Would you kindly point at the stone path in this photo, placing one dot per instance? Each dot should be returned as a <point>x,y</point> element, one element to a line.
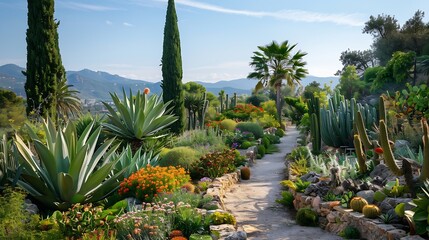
<point>253,201</point>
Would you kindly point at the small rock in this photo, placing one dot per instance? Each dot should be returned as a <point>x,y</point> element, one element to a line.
<point>385,206</point>
<point>382,171</point>
<point>240,235</point>
<point>368,195</point>
<point>30,207</point>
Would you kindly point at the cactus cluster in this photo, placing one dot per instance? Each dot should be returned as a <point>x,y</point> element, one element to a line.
<point>197,107</point>
<point>314,111</point>
<point>337,120</point>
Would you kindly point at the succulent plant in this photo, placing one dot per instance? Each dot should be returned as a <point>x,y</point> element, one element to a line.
<point>245,173</point>
<point>65,169</point>
<point>357,204</point>
<point>307,217</point>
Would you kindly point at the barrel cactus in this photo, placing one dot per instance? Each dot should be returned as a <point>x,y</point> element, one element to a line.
<point>371,211</point>
<point>357,203</point>
<point>245,173</point>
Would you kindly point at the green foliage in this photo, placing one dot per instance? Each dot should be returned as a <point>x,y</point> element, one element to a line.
<point>299,153</point>
<point>400,65</point>
<point>274,139</point>
<point>200,237</point>
<point>67,102</point>
<point>228,124</point>
<point>267,121</point>
<point>215,164</point>
<point>272,149</point>
<point>350,232</point>
<point>251,127</point>
<point>350,84</point>
<point>371,73</point>
<point>270,107</point>
<point>190,220</point>
<point>387,218</point>
<point>81,219</point>
<point>243,112</point>
<point>413,100</point>
<point>286,199</point>
<point>133,161</point>
<point>194,200</point>
<point>172,74</point>
<point>330,196</point>
<point>299,106</point>
<point>245,145</point>
<point>17,223</point>
<point>265,141</point>
<point>67,169</point>
<point>138,118</point>
<point>83,121</point>
<point>261,150</point>
<point>298,167</point>
<point>203,141</point>
<point>379,196</point>
<point>297,186</point>
<point>360,59</point>
<point>421,213</point>
<point>185,157</point>
<point>8,161</point>
<point>12,111</point>
<point>393,189</point>
<point>307,217</point>
<point>280,132</point>
<point>257,100</point>
<point>346,198</point>
<point>44,66</point>
<point>218,218</point>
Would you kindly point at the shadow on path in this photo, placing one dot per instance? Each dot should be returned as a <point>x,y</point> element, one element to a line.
<point>253,201</point>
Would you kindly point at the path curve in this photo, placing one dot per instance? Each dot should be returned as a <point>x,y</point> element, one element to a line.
<point>253,203</point>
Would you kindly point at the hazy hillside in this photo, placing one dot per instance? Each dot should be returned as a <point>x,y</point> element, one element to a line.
<point>97,85</point>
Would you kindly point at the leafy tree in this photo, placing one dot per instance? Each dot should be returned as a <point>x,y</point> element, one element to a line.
<point>370,74</point>
<point>423,65</point>
<point>193,88</point>
<point>274,63</point>
<point>44,66</point>
<point>350,85</point>
<point>310,89</point>
<point>381,26</point>
<point>12,110</point>
<point>360,59</point>
<point>172,68</point>
<point>416,32</point>
<point>401,65</point>
<point>257,99</point>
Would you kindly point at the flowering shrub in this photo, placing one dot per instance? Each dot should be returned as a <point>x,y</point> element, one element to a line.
<point>154,221</point>
<point>217,164</point>
<point>150,181</point>
<point>236,139</point>
<point>243,112</point>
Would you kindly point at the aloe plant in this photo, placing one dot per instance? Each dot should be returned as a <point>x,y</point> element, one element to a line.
<point>138,117</point>
<point>8,161</point>
<point>67,169</point>
<point>133,161</point>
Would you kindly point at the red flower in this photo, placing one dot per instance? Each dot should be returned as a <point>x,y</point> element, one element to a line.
<point>378,150</point>
<point>146,91</point>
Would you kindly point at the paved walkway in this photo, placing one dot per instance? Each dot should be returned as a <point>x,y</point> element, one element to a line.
<point>253,201</point>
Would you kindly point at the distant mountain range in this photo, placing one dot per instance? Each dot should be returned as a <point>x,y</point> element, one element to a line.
<point>97,85</point>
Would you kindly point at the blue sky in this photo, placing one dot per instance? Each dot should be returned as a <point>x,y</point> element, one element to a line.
<point>218,37</point>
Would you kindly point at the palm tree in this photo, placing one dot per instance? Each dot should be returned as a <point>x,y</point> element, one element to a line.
<point>423,65</point>
<point>68,104</point>
<point>274,63</point>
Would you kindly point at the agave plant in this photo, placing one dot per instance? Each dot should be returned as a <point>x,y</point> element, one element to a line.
<point>134,161</point>
<point>68,169</point>
<point>138,118</point>
<point>8,161</point>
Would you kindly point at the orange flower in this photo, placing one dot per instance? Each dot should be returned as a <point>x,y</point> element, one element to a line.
<point>146,91</point>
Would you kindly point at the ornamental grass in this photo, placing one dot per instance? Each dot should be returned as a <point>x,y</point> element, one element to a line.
<point>148,182</point>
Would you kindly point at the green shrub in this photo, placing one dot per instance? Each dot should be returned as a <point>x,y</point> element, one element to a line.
<point>218,218</point>
<point>280,132</point>
<point>215,164</point>
<point>287,199</point>
<point>350,232</point>
<point>266,141</point>
<point>228,124</point>
<point>200,237</point>
<point>258,156</point>
<point>246,145</point>
<point>261,150</point>
<point>274,139</point>
<point>271,149</point>
<point>17,223</point>
<point>180,156</point>
<point>204,141</point>
<point>307,217</point>
<point>254,128</point>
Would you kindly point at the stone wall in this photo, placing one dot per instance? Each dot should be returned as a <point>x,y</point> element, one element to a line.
<point>334,218</point>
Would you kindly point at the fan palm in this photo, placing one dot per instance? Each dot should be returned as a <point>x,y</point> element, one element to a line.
<point>274,63</point>
<point>68,104</point>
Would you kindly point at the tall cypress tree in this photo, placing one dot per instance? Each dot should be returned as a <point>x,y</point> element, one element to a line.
<point>44,66</point>
<point>172,68</point>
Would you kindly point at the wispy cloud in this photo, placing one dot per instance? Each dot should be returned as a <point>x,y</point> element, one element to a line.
<point>293,15</point>
<point>127,24</point>
<point>87,7</point>
<point>109,22</point>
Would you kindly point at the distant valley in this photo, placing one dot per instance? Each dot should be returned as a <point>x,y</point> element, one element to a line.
<point>97,85</point>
